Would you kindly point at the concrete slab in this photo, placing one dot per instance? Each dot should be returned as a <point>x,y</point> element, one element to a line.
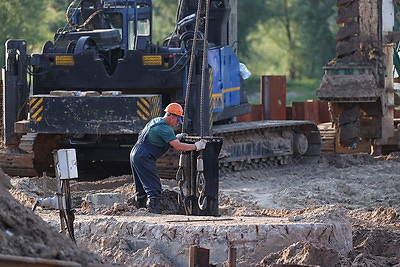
<point>173,235</point>
<point>105,199</point>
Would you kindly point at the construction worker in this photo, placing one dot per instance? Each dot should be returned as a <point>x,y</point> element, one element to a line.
<point>153,141</point>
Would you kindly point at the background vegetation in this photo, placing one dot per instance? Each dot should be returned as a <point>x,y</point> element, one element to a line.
<point>275,37</point>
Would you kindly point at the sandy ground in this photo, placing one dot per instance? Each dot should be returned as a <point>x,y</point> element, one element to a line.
<point>359,188</point>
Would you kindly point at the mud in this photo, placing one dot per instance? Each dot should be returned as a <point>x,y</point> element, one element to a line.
<point>358,188</point>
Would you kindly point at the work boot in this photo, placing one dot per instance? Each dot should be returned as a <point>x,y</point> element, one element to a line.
<point>137,201</point>
<point>142,201</point>
<point>154,205</point>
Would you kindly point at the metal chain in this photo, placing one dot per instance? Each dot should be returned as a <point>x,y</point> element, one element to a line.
<point>202,200</point>
<point>180,177</point>
<point>203,67</point>
<point>191,65</point>
<point>201,180</point>
<point>201,183</point>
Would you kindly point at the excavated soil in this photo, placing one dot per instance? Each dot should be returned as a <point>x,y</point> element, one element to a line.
<point>22,233</point>
<point>359,188</point>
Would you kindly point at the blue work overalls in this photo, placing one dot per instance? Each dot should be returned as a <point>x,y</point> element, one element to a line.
<point>143,158</point>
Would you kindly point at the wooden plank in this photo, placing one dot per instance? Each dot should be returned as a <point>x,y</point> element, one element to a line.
<point>22,261</point>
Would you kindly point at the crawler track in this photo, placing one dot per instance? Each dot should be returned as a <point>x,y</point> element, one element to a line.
<point>19,161</point>
<point>265,143</point>
<point>15,162</point>
<point>32,157</point>
<point>245,146</point>
<point>257,144</point>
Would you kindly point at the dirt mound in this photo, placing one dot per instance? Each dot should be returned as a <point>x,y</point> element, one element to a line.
<point>149,256</point>
<point>385,216</point>
<point>376,236</point>
<point>306,253</point>
<point>4,181</point>
<point>22,233</point>
<point>347,160</point>
<point>376,242</point>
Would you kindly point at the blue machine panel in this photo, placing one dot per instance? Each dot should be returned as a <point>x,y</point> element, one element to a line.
<point>230,71</point>
<point>225,77</point>
<point>214,60</point>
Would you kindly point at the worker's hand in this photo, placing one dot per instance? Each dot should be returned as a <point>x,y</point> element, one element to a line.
<point>180,136</point>
<point>200,144</point>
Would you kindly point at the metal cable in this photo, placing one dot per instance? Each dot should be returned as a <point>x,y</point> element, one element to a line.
<point>69,19</point>
<point>201,181</point>
<point>187,95</point>
<point>191,65</point>
<point>203,67</point>
<point>178,14</point>
<point>89,19</point>
<point>68,22</point>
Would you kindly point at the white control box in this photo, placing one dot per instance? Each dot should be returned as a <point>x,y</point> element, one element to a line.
<point>65,163</point>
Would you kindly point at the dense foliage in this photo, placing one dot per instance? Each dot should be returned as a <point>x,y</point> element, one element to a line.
<point>33,21</point>
<point>287,37</point>
<point>278,37</point>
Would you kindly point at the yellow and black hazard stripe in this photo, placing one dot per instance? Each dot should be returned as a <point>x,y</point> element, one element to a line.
<point>210,104</point>
<point>148,107</point>
<point>156,106</point>
<point>36,108</point>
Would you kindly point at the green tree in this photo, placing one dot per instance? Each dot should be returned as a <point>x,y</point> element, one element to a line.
<point>33,21</point>
<point>286,37</point>
<point>284,16</point>
<point>318,44</point>
<point>164,18</point>
<point>56,15</point>
<point>268,32</point>
<point>250,14</point>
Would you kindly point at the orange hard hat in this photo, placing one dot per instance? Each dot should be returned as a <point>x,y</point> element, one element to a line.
<point>174,108</point>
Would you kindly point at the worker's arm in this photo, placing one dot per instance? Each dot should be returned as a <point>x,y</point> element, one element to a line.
<point>182,146</point>
<point>199,145</point>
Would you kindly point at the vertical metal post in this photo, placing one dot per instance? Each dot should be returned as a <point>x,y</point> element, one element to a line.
<point>273,97</point>
<point>199,257</point>
<point>231,257</point>
<point>388,127</point>
<point>232,25</point>
<point>15,91</point>
<point>60,205</point>
<point>66,168</point>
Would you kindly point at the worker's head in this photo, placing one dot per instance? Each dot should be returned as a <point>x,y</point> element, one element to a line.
<point>176,110</point>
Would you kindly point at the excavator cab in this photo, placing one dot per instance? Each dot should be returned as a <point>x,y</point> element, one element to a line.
<point>132,19</point>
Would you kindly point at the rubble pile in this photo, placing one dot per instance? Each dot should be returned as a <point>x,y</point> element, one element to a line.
<point>22,233</point>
